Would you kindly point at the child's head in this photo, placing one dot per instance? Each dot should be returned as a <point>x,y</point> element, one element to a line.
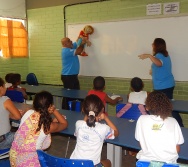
<point>15,79</point>
<point>42,101</point>
<point>8,77</point>
<point>157,103</point>
<point>137,84</point>
<point>92,107</point>
<point>88,29</point>
<point>98,83</point>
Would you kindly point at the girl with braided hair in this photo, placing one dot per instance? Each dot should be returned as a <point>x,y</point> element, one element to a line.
<point>90,133</point>
<point>34,131</point>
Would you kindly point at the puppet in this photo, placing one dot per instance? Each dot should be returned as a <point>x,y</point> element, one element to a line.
<point>88,30</point>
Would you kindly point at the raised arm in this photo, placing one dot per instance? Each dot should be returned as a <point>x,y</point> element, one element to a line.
<point>112,101</point>
<point>155,60</point>
<point>14,112</point>
<point>110,124</point>
<point>61,123</point>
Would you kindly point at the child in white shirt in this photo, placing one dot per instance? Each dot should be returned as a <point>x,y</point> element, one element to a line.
<point>91,133</point>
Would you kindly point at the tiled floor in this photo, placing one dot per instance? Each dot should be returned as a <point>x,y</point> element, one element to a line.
<point>59,143</point>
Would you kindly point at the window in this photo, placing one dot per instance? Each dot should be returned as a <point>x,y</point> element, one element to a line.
<point>13,38</point>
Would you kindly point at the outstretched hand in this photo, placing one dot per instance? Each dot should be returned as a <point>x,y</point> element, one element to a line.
<point>144,56</point>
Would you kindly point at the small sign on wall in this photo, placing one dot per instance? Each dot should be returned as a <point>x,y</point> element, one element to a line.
<point>171,8</point>
<point>153,9</point>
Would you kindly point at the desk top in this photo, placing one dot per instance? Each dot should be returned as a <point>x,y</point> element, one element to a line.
<point>178,105</point>
<point>126,129</point>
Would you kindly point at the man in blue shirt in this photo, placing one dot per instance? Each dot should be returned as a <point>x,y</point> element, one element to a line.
<point>71,66</point>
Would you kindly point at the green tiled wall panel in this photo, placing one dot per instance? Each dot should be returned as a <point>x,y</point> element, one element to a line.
<point>46,28</point>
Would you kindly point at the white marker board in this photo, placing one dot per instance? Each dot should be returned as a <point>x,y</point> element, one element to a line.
<point>116,46</point>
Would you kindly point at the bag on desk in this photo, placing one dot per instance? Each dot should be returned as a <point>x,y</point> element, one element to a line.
<point>75,105</point>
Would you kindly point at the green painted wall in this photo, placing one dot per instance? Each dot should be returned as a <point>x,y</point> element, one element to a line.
<point>46,28</point>
<point>13,65</point>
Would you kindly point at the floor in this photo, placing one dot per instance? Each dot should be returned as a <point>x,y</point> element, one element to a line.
<point>58,148</point>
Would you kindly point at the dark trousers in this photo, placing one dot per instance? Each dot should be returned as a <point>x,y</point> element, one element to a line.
<point>69,82</point>
<point>175,114</point>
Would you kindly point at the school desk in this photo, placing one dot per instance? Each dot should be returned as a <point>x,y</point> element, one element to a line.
<point>126,136</point>
<point>178,105</point>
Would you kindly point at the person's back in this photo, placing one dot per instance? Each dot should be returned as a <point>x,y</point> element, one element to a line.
<point>7,111</point>
<point>34,131</point>
<point>98,87</point>
<point>91,134</point>
<point>158,134</point>
<point>137,96</point>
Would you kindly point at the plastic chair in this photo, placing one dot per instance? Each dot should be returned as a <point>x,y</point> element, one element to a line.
<point>156,164</point>
<point>52,161</point>
<point>133,113</point>
<point>15,95</point>
<point>31,79</point>
<point>4,153</point>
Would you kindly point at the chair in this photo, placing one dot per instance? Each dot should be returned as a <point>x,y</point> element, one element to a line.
<point>15,95</point>
<point>52,161</point>
<point>4,153</point>
<point>133,113</point>
<point>157,164</point>
<point>31,79</point>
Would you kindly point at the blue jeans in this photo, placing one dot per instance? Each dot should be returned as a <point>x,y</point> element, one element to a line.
<point>9,137</point>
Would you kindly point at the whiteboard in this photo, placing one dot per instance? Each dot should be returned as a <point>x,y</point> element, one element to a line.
<point>116,46</point>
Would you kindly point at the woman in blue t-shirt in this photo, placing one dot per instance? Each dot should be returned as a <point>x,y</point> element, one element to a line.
<point>161,71</point>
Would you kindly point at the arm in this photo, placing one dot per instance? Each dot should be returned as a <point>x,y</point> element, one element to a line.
<point>155,60</point>
<point>178,148</point>
<point>79,50</point>
<point>57,126</point>
<point>111,101</point>
<point>14,112</point>
<point>109,123</point>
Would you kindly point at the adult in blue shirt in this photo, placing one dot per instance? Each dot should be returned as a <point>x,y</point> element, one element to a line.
<point>161,71</point>
<point>71,66</point>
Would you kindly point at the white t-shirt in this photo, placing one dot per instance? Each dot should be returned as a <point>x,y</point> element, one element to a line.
<point>158,138</point>
<point>137,97</point>
<point>90,141</point>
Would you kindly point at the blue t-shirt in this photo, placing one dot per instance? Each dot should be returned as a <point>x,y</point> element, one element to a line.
<point>162,76</point>
<point>70,62</point>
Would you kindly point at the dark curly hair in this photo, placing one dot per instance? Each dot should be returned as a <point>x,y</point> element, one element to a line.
<point>98,83</point>
<point>160,46</point>
<point>41,103</point>
<point>137,84</point>
<point>157,103</point>
<point>92,103</point>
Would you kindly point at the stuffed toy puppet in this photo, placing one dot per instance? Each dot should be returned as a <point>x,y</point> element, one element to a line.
<point>84,34</point>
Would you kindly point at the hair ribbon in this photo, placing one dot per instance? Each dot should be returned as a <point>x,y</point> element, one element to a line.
<point>91,113</point>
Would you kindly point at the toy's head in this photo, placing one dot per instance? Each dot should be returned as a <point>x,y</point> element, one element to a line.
<point>88,29</point>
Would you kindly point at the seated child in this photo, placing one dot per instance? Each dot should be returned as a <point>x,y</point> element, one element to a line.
<point>16,81</point>
<point>98,87</point>
<point>159,134</point>
<point>137,96</point>
<point>7,111</point>
<point>34,131</point>
<point>90,133</point>
<point>8,80</point>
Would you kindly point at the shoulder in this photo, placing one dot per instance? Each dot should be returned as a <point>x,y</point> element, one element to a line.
<point>4,98</point>
<point>80,122</point>
<point>159,56</point>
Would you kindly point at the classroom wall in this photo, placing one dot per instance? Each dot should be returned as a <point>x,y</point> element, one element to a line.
<point>46,28</point>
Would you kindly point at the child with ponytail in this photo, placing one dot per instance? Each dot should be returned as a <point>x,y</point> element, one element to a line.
<point>91,133</point>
